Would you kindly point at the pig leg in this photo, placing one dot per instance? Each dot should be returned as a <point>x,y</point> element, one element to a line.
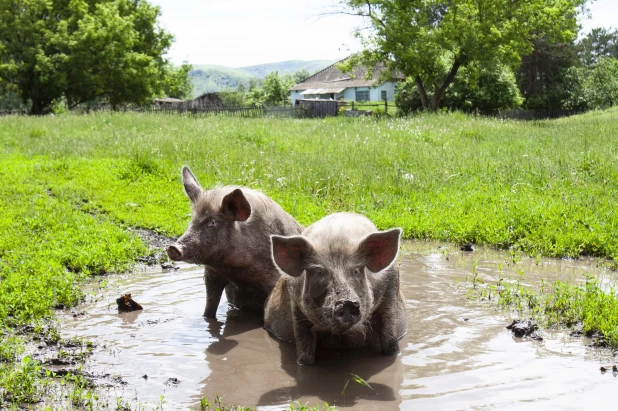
<point>385,324</point>
<point>215,284</point>
<point>305,338</point>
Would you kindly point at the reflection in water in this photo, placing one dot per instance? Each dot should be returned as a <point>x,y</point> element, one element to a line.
<point>456,355</point>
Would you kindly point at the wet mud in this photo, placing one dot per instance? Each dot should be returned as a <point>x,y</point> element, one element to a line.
<point>457,354</point>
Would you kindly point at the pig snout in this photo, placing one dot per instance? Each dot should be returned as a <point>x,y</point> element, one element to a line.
<point>347,313</point>
<point>174,252</point>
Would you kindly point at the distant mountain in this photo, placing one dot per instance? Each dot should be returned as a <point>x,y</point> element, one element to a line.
<point>285,67</point>
<point>209,78</point>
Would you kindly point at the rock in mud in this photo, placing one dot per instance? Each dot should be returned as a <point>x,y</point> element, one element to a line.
<point>126,303</point>
<point>524,329</point>
<point>172,381</point>
<point>60,361</point>
<point>467,247</point>
<point>169,266</point>
<point>609,367</point>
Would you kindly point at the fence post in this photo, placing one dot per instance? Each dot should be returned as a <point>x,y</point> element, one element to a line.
<point>385,106</point>
<point>352,105</point>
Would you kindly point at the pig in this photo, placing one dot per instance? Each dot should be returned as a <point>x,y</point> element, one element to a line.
<point>229,234</point>
<point>340,288</point>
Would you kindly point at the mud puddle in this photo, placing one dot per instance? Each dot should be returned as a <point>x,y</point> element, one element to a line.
<point>457,353</point>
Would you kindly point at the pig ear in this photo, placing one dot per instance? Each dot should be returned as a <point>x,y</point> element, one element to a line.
<point>192,187</point>
<point>235,206</point>
<point>380,249</point>
<point>290,253</point>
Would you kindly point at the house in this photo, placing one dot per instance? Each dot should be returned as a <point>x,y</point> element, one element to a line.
<point>331,83</point>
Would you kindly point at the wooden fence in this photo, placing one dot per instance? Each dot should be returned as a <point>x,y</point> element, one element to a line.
<point>286,111</point>
<point>326,108</point>
<point>527,115</point>
<point>193,111</point>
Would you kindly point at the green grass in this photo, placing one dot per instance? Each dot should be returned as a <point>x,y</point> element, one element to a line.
<point>71,185</point>
<point>542,187</point>
<point>591,306</point>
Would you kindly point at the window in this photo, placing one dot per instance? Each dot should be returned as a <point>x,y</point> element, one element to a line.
<point>362,95</point>
<point>383,94</point>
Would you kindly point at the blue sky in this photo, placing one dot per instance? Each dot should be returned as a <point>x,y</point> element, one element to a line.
<point>238,33</point>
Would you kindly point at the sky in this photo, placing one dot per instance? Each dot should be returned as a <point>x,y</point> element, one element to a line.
<point>238,33</point>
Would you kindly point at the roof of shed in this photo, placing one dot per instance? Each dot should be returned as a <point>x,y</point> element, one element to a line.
<point>332,78</point>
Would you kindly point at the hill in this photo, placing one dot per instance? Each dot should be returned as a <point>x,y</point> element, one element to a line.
<point>209,78</point>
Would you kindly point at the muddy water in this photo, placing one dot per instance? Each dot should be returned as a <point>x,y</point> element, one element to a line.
<point>456,355</point>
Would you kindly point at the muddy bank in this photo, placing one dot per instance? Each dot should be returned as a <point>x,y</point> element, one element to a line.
<point>157,243</point>
<point>457,353</point>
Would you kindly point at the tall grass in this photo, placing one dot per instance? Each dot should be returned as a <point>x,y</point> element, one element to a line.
<point>543,187</point>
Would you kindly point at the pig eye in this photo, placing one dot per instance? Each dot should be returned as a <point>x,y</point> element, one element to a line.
<point>358,271</point>
<point>318,272</point>
<point>211,223</point>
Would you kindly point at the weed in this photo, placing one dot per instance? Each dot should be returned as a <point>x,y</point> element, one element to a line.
<point>558,304</point>
<point>358,380</point>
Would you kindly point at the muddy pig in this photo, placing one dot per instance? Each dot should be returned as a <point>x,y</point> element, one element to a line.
<point>229,234</point>
<point>341,289</point>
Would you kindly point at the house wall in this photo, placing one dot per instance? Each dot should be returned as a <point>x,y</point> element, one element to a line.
<point>295,95</point>
<point>375,93</point>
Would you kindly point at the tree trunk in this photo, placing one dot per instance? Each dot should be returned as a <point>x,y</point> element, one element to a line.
<point>439,90</point>
<point>422,92</point>
<point>37,108</point>
<point>439,93</point>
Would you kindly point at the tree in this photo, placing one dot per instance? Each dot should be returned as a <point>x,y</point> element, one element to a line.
<point>601,84</point>
<point>276,88</point>
<point>176,82</point>
<point>301,75</point>
<point>600,42</point>
<point>484,87</point>
<point>82,50</point>
<point>430,40</point>
<point>542,74</point>
<point>255,96</point>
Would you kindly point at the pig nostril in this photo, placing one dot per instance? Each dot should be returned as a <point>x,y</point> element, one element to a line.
<point>174,253</point>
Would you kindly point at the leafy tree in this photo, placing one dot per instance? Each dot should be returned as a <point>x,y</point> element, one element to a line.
<point>176,82</point>
<point>255,96</point>
<point>541,75</point>
<point>276,88</point>
<point>484,87</point>
<point>82,50</point>
<point>232,97</point>
<point>601,84</point>
<point>301,75</point>
<point>430,40</point>
<point>574,86</point>
<point>407,99</point>
<point>253,83</point>
<point>600,42</point>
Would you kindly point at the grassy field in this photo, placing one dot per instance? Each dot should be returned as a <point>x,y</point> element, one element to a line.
<point>72,185</point>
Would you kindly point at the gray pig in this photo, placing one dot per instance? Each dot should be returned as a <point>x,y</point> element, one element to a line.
<point>341,289</point>
<point>230,233</point>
